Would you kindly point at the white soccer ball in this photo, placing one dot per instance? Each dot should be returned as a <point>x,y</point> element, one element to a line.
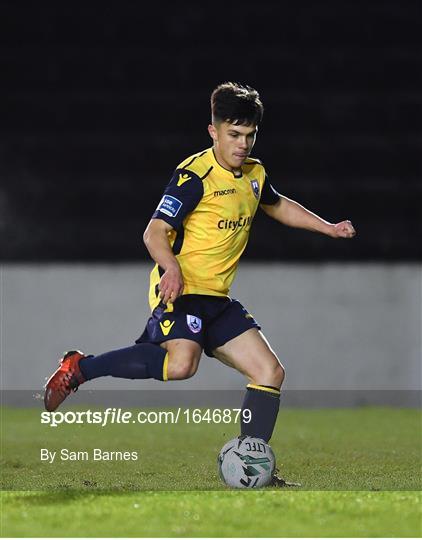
<point>246,462</point>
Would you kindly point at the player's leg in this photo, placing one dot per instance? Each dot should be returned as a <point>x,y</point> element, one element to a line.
<point>141,361</point>
<point>250,354</point>
<point>172,360</point>
<point>263,393</point>
<point>169,348</point>
<point>242,352</point>
<point>234,338</point>
<point>169,360</point>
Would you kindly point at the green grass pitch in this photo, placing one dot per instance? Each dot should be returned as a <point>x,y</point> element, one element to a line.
<point>360,471</point>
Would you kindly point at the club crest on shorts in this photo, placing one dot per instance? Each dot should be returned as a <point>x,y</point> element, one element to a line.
<point>255,188</point>
<point>194,323</point>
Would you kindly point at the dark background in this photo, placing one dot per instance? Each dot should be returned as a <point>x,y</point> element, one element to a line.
<point>99,103</point>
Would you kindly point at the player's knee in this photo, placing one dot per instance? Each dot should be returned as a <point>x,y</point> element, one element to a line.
<point>274,374</point>
<point>182,366</point>
<point>270,374</point>
<point>279,374</point>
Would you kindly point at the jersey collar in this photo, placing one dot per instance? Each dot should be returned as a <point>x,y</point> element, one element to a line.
<point>222,170</point>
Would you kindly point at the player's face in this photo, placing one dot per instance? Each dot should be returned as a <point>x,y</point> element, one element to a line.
<point>232,143</point>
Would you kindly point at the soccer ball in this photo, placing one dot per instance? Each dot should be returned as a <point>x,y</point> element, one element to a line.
<point>246,462</point>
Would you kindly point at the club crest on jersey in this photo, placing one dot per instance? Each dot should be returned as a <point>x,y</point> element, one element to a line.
<point>194,323</point>
<point>255,188</point>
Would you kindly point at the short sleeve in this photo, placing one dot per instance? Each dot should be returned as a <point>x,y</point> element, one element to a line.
<point>181,196</point>
<point>269,194</point>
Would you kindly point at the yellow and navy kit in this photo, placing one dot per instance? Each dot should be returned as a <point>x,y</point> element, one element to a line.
<point>210,211</point>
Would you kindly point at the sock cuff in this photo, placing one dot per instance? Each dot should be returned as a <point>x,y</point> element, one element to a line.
<point>262,388</point>
<point>157,361</point>
<point>165,367</point>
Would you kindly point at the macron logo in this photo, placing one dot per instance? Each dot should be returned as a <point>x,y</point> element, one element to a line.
<point>183,178</point>
<point>224,192</point>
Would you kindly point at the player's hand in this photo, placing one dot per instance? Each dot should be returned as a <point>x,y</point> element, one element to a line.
<point>171,284</point>
<point>344,229</point>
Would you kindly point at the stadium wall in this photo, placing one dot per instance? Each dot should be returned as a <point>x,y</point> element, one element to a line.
<point>335,327</point>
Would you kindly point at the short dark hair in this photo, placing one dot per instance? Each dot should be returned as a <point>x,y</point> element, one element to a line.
<point>237,104</point>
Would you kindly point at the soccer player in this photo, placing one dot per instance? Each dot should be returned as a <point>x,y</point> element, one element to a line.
<point>196,237</point>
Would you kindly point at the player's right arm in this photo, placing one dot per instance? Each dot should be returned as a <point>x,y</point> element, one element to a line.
<point>157,243</point>
<point>180,198</point>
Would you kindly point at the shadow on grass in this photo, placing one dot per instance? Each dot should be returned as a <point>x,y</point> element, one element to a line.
<point>64,496</point>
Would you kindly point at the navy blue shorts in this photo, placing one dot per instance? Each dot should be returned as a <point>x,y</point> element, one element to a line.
<point>210,321</point>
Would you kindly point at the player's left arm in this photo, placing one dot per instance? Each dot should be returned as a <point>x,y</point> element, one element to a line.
<point>293,214</point>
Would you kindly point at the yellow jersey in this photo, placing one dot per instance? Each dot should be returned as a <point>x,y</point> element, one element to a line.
<point>211,212</point>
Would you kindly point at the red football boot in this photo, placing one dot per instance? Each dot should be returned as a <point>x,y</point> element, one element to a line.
<point>65,379</point>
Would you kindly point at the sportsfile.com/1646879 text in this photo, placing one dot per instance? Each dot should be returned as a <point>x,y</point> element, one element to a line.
<point>114,415</point>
